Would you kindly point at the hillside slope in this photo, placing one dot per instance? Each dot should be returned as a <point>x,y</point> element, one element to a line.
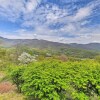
<point>35,43</point>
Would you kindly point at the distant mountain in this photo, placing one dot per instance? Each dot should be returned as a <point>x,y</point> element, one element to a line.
<point>90,46</point>
<point>35,43</point>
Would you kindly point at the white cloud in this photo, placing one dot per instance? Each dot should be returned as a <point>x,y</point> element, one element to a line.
<point>11,9</point>
<point>82,13</point>
<point>41,18</point>
<point>14,9</point>
<point>31,5</point>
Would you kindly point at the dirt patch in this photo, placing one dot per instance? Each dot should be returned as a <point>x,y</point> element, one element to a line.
<point>6,87</point>
<point>8,90</point>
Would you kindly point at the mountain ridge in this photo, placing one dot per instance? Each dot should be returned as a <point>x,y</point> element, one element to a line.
<point>36,43</point>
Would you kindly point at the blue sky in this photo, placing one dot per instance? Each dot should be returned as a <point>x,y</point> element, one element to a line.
<point>65,21</point>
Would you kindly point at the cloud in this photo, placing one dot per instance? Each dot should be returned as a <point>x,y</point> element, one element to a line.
<point>14,9</point>
<point>11,9</point>
<point>82,13</point>
<point>36,19</point>
<point>31,5</point>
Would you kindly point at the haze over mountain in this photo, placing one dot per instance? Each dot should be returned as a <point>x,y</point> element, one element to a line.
<point>35,43</point>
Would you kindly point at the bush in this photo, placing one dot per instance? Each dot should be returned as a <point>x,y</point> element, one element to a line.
<point>56,80</point>
<point>16,76</point>
<point>26,58</point>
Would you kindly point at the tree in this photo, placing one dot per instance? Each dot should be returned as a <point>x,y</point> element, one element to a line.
<point>26,58</point>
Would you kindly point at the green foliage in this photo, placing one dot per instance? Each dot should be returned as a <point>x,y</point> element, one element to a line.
<point>97,58</point>
<point>16,76</point>
<point>75,79</point>
<point>79,53</point>
<point>56,80</point>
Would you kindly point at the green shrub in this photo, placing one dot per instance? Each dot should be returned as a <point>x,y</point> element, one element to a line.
<point>56,80</point>
<point>16,76</point>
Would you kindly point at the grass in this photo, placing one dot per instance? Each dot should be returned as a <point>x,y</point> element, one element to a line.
<point>11,96</point>
<point>8,90</point>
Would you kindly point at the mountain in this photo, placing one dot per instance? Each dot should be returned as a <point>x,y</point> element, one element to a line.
<point>35,43</point>
<point>71,50</point>
<point>90,46</point>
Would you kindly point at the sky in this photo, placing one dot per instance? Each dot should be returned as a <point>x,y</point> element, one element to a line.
<point>65,21</point>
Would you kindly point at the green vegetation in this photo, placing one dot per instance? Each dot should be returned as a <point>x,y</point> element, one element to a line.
<point>56,80</point>
<point>49,74</point>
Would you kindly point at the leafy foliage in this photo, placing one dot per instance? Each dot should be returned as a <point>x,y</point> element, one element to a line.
<point>56,80</point>
<point>57,75</point>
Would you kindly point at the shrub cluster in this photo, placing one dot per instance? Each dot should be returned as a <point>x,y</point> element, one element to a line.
<point>55,80</point>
